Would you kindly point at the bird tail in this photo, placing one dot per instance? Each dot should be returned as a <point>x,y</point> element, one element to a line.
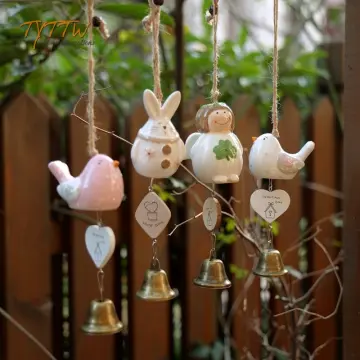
<point>305,151</point>
<point>60,170</point>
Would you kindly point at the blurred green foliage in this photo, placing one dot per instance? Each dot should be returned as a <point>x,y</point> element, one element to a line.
<point>123,64</point>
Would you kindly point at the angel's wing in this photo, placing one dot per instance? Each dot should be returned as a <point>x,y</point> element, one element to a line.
<point>190,141</point>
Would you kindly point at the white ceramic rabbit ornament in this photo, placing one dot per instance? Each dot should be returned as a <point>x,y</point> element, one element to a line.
<point>215,151</point>
<point>158,149</point>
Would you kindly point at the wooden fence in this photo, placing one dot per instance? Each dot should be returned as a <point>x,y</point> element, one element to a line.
<point>48,279</point>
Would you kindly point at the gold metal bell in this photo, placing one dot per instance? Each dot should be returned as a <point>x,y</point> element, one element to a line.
<point>102,319</point>
<point>212,275</point>
<point>155,286</point>
<point>270,264</point>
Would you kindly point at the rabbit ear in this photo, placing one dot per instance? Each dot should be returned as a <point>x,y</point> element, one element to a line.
<point>171,105</point>
<point>151,104</point>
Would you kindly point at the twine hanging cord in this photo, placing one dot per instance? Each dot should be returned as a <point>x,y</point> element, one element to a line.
<point>213,20</point>
<point>151,24</point>
<point>275,119</point>
<point>91,78</point>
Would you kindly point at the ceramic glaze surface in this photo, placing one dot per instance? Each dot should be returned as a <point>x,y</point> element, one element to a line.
<point>99,187</point>
<point>267,159</point>
<point>216,152</point>
<point>158,150</point>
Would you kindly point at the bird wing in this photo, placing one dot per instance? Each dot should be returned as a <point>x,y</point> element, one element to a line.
<point>289,164</point>
<point>69,190</point>
<point>190,141</point>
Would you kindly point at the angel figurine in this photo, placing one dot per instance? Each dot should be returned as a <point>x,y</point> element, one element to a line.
<point>158,149</point>
<point>215,151</point>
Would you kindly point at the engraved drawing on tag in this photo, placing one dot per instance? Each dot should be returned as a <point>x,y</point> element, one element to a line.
<point>270,211</point>
<point>97,251</point>
<point>151,208</point>
<point>209,218</point>
<point>152,214</point>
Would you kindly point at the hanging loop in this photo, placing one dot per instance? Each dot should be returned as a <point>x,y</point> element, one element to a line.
<point>151,185</point>
<point>99,219</point>
<point>270,185</point>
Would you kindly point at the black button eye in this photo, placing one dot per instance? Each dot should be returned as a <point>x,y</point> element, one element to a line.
<point>217,112</point>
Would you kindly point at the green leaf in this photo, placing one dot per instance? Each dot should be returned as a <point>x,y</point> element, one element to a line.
<point>201,352</point>
<point>243,36</point>
<point>9,53</point>
<point>226,238</point>
<point>230,224</point>
<point>275,226</point>
<point>217,351</point>
<point>238,272</point>
<point>133,11</point>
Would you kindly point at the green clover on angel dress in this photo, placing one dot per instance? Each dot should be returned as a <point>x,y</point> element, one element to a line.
<point>225,150</point>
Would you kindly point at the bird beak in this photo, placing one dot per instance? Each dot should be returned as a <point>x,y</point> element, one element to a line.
<point>116,163</point>
<point>254,138</point>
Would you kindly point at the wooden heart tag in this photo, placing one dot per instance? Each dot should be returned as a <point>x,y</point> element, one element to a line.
<point>270,204</point>
<point>100,244</point>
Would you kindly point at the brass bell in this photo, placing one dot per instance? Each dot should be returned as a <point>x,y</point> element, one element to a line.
<point>155,286</point>
<point>102,319</point>
<point>212,275</point>
<point>270,264</point>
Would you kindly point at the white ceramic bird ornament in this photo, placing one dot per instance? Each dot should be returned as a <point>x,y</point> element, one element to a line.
<point>267,159</point>
<point>215,151</point>
<point>158,149</point>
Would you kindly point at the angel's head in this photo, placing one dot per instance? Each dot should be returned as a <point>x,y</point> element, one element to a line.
<point>216,117</point>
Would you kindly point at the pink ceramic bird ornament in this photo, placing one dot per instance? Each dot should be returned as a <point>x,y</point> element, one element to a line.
<point>99,187</point>
<point>267,159</point>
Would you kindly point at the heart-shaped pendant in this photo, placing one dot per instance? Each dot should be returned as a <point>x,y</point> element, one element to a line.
<point>100,244</point>
<point>270,204</point>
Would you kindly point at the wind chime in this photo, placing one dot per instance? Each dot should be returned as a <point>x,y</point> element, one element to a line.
<point>216,155</point>
<point>98,188</point>
<point>267,160</point>
<point>156,154</point>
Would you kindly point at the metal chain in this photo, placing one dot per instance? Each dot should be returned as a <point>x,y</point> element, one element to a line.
<point>270,236</point>
<point>100,278</point>
<point>270,185</point>
<point>154,249</point>
<point>213,249</point>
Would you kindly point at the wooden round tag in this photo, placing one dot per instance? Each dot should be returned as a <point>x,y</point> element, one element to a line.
<point>211,213</point>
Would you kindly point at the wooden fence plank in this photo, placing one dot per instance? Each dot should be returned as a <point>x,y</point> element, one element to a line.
<point>83,273</point>
<point>200,303</point>
<point>25,185</point>
<point>289,223</point>
<point>247,126</point>
<point>351,175</point>
<point>57,151</point>
<point>147,344</point>
<point>324,173</point>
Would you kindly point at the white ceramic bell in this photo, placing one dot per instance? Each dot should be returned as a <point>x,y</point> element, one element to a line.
<point>267,159</point>
<point>215,151</point>
<point>158,149</point>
